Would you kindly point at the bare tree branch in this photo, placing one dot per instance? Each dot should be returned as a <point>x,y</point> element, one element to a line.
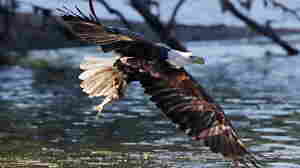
<point>264,30</point>
<point>156,24</point>
<point>247,4</point>
<point>286,9</point>
<point>172,21</point>
<point>8,9</point>
<point>116,12</point>
<point>154,3</point>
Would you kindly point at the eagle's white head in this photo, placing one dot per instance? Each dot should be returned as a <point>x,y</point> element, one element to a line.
<point>179,58</point>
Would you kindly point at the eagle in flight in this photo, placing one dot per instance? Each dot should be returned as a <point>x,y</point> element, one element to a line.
<point>160,71</point>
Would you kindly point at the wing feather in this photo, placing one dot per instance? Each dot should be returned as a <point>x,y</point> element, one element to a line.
<point>183,101</point>
<point>89,29</point>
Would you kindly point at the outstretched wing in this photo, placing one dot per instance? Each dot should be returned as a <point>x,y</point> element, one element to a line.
<point>184,101</point>
<point>89,29</point>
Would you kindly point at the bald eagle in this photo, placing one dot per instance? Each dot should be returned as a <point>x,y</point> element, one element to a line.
<point>160,71</point>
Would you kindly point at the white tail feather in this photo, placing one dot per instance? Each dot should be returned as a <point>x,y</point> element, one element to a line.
<point>98,91</point>
<point>95,62</point>
<point>88,73</point>
<point>101,78</point>
<point>98,83</point>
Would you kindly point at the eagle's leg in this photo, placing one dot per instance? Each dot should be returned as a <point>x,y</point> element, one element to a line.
<point>116,92</point>
<point>100,107</point>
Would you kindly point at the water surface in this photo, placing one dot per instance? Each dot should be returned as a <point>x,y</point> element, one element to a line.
<point>46,120</point>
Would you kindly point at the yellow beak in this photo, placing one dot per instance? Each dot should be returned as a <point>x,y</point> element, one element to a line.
<point>198,60</point>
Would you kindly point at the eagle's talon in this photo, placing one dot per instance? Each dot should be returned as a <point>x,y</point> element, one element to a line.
<point>99,108</point>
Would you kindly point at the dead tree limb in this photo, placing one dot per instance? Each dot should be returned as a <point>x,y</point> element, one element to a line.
<point>286,9</point>
<point>172,20</point>
<point>153,4</point>
<point>156,25</point>
<point>264,30</point>
<point>116,12</point>
<point>8,10</point>
<point>246,4</point>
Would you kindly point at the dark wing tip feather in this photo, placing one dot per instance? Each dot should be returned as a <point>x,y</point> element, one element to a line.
<point>76,21</point>
<point>88,28</point>
<point>69,15</point>
<point>232,147</point>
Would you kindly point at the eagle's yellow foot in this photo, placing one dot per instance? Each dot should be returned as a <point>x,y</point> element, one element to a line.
<point>99,112</point>
<point>100,107</point>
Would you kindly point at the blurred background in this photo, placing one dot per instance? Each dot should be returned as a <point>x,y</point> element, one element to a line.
<point>251,50</point>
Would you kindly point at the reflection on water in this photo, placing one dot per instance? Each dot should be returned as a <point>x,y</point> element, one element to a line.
<point>45,115</point>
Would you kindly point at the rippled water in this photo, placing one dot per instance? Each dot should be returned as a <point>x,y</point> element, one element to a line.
<point>44,113</point>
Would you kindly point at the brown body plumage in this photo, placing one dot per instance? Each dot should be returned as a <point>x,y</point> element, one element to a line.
<point>173,90</point>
